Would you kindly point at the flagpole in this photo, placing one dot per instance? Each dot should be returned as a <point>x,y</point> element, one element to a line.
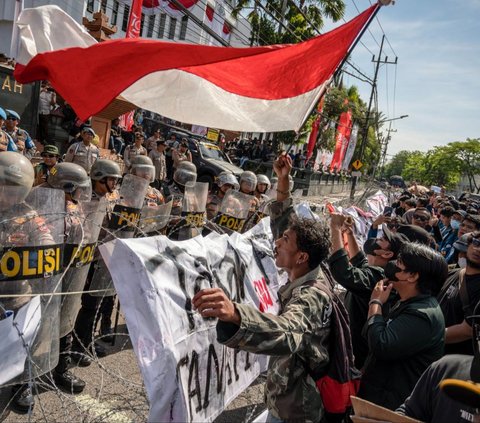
<point>339,67</point>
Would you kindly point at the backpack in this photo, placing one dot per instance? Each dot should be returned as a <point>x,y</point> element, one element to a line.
<point>341,378</point>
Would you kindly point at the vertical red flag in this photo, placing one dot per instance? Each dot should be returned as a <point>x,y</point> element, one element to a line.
<point>316,124</point>
<point>134,20</point>
<point>343,135</point>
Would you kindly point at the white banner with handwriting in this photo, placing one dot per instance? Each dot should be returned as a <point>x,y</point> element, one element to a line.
<point>188,376</point>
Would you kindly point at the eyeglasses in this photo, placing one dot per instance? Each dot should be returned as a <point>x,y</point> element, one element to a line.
<point>476,242</point>
<point>11,118</point>
<point>419,217</point>
<point>50,156</point>
<point>392,225</point>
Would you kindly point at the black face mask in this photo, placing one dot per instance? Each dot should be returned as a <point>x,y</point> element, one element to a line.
<point>390,269</point>
<point>370,246</point>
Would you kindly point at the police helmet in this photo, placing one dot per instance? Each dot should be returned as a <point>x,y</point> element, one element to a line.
<point>72,179</point>
<point>142,166</point>
<point>3,114</point>
<point>186,172</point>
<point>250,180</point>
<point>263,179</point>
<point>16,177</point>
<point>104,168</point>
<point>227,178</point>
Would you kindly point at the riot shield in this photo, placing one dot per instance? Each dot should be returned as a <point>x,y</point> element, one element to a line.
<point>123,222</point>
<point>78,254</point>
<point>154,218</point>
<point>31,241</point>
<point>193,215</point>
<point>234,211</point>
<point>126,213</point>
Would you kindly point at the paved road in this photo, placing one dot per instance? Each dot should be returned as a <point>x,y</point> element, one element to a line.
<point>115,393</point>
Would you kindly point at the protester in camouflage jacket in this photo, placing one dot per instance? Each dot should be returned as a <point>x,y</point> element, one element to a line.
<point>298,338</point>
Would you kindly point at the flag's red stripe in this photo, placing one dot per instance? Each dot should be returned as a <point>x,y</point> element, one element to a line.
<point>90,78</point>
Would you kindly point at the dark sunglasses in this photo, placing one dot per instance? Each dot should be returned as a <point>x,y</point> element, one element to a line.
<point>392,225</point>
<point>421,218</point>
<point>11,118</point>
<point>50,156</point>
<point>476,242</point>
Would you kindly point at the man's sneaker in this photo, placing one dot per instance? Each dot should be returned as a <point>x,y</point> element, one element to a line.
<point>69,382</point>
<point>23,400</point>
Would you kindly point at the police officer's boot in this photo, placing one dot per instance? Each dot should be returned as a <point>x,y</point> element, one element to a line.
<point>22,399</point>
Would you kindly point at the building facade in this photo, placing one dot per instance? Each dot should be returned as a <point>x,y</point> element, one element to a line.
<point>158,26</point>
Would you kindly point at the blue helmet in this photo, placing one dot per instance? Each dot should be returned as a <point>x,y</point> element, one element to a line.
<point>13,113</point>
<point>3,115</point>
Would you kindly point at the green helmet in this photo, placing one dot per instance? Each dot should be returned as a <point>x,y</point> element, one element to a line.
<point>104,168</point>
<point>186,172</point>
<point>16,177</point>
<point>143,166</point>
<point>72,179</point>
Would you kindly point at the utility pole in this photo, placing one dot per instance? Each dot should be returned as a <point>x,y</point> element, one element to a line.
<point>369,110</point>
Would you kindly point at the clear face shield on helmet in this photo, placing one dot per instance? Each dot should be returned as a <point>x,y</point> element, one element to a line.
<point>144,171</point>
<point>15,184</point>
<point>80,193</point>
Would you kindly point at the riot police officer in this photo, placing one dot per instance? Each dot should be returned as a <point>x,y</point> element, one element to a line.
<point>225,181</point>
<point>263,185</point>
<point>143,167</point>
<point>74,181</point>
<point>19,135</point>
<point>105,175</point>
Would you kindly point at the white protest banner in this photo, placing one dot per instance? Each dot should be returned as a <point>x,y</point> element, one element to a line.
<point>188,376</point>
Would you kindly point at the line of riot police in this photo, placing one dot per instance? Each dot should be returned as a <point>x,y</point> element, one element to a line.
<point>50,266</point>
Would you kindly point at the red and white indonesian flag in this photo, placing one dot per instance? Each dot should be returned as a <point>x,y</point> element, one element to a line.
<point>257,89</point>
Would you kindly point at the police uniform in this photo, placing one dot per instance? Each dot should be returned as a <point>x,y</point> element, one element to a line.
<point>130,152</point>
<point>83,155</point>
<point>153,197</point>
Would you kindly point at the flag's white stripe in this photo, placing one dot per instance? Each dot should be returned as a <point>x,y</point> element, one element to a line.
<point>188,98</point>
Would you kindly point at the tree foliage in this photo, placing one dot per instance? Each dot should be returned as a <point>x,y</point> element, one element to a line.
<point>444,165</point>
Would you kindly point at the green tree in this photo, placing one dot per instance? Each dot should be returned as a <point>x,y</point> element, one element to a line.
<point>467,157</point>
<point>398,162</point>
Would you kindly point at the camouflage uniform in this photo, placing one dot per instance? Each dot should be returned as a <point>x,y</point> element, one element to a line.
<point>297,336</point>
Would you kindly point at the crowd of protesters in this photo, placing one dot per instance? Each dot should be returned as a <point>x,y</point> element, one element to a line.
<point>411,290</point>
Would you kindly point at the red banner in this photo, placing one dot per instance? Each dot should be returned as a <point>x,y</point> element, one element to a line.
<point>343,135</point>
<point>134,20</point>
<point>314,134</point>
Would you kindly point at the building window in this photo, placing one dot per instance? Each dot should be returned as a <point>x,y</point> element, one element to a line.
<point>151,24</point>
<point>183,27</point>
<point>161,26</point>
<point>90,6</point>
<point>171,29</point>
<point>116,5</point>
<point>126,12</point>
<point>103,6</point>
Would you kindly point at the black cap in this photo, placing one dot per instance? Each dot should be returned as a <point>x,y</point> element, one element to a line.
<point>396,240</point>
<point>415,233</point>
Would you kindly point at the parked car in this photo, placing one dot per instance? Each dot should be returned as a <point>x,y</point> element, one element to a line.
<point>210,161</point>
